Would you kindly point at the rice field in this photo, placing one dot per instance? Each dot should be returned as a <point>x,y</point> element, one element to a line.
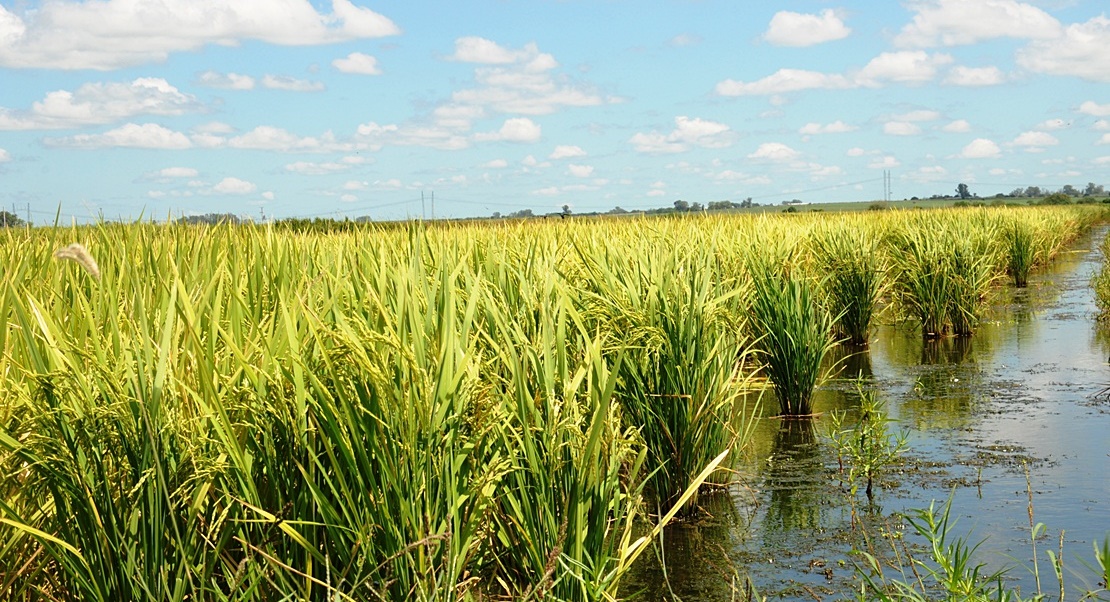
<point>432,412</point>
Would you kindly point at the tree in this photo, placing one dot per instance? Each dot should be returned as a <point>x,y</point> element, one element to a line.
<point>522,213</point>
<point>696,207</point>
<point>1069,190</point>
<point>566,210</point>
<point>746,203</point>
<point>681,205</point>
<point>618,210</point>
<point>10,220</point>
<point>1033,191</point>
<point>962,191</point>
<point>1093,189</point>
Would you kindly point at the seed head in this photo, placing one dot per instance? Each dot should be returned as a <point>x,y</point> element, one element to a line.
<point>77,252</point>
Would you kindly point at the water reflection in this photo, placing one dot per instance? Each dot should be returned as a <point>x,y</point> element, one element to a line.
<point>795,478</point>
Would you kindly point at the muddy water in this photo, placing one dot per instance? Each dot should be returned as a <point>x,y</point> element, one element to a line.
<point>1020,397</point>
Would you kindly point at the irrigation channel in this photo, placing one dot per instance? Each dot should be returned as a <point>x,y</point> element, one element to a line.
<point>1022,396</point>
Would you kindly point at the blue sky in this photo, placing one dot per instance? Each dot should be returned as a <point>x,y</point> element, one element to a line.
<point>350,108</point>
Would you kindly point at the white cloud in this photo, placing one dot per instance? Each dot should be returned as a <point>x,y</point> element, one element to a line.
<point>517,129</point>
<point>177,172</point>
<point>980,148</point>
<point>270,138</point>
<point>357,63</point>
<point>856,152</point>
<point>901,128</point>
<point>688,133</point>
<point>1104,160</point>
<point>783,81</point>
<point>1051,125</point>
<point>355,185</point>
<point>348,198</point>
<point>473,49</point>
<point>886,162</point>
<point>496,164</point>
<point>101,103</point>
<point>1102,125</point>
<point>1093,108</point>
<point>836,127</point>
<point>656,193</point>
<point>4,156</point>
<point>130,135</point>
<point>1105,139</point>
<point>549,191</point>
<point>774,151</point>
<point>798,29</point>
<point>377,135</point>
<point>231,185</point>
<point>1081,51</point>
<point>959,22</point>
<point>957,126</point>
<point>918,115</point>
<point>309,168</point>
<point>1035,139</point>
<point>111,34</point>
<point>268,195</point>
<point>291,84</point>
<point>580,171</point>
<point>907,67</point>
<point>225,81</point>
<point>975,76</point>
<point>566,151</point>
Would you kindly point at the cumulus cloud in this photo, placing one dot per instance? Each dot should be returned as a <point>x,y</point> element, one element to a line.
<point>918,115</point>
<point>901,128</point>
<point>4,156</point>
<point>1050,125</point>
<point>799,29</point>
<point>231,185</point>
<point>1081,51</point>
<point>101,103</point>
<point>130,135</point>
<point>1035,140</point>
<point>290,84</point>
<point>111,34</point>
<point>225,81</point>
<point>688,133</point>
<point>885,162</point>
<point>270,138</point>
<point>959,22</point>
<point>980,148</point>
<point>496,164</point>
<point>580,171</point>
<point>310,168</point>
<point>907,67</point>
<point>357,63</point>
<point>957,126</point>
<point>1093,108</point>
<point>564,151</point>
<point>774,151</point>
<point>177,172</point>
<point>836,127</point>
<point>856,152</point>
<point>784,81</point>
<point>903,67</point>
<point>517,129</point>
<point>974,76</point>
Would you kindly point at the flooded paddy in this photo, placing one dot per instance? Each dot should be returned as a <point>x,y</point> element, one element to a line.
<point>1019,400</point>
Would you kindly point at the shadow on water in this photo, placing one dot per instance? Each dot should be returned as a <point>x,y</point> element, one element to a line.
<point>1023,392</point>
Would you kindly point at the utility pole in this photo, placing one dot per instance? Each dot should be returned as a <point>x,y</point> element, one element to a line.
<point>423,214</point>
<point>433,205</point>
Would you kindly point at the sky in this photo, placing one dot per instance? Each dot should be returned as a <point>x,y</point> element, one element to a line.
<point>157,109</point>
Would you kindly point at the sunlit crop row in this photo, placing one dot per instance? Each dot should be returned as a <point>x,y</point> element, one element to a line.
<point>427,412</point>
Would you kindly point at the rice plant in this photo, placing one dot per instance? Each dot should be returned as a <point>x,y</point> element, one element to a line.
<point>1021,252</point>
<point>680,376</point>
<point>793,334</point>
<point>923,280</point>
<point>850,260</point>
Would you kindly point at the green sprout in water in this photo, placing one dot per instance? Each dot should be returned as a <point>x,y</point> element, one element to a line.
<point>867,446</point>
